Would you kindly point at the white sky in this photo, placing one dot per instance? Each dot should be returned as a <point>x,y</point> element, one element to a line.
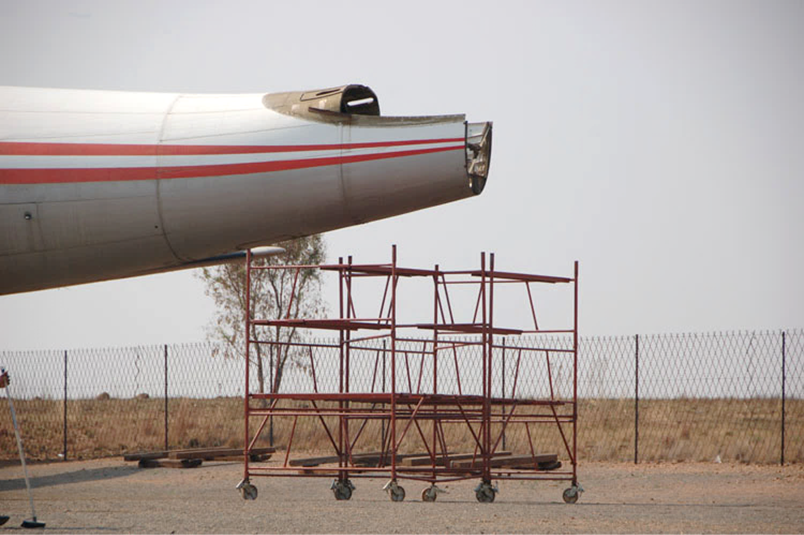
<point>661,144</point>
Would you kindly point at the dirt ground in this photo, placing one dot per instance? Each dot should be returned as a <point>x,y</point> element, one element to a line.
<point>110,496</point>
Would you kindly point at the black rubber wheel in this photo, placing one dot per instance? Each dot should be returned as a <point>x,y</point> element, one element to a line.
<point>342,492</point>
<point>571,495</point>
<point>429,494</point>
<point>397,494</point>
<point>485,494</point>
<point>249,491</point>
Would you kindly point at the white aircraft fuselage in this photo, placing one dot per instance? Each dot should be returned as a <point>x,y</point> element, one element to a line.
<point>98,185</point>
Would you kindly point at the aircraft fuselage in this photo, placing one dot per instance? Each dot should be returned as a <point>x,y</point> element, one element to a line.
<point>98,185</point>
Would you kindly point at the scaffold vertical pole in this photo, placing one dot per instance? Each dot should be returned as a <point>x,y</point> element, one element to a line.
<point>435,370</point>
<point>575,383</point>
<point>393,363</point>
<point>490,343</point>
<point>348,356</point>
<point>248,363</point>
<point>502,411</point>
<point>484,345</point>
<point>382,420</point>
<point>341,452</point>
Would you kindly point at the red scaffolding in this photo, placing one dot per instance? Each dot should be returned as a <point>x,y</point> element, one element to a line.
<point>421,412</point>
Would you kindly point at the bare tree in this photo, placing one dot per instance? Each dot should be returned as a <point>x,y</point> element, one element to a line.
<point>270,299</point>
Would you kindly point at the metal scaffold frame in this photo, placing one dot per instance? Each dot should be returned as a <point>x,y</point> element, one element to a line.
<point>416,408</point>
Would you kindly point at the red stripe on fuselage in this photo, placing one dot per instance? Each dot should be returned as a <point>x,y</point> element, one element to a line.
<point>66,176</point>
<point>15,148</point>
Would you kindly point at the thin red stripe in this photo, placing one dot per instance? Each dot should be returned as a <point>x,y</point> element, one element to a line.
<point>53,176</point>
<point>14,148</point>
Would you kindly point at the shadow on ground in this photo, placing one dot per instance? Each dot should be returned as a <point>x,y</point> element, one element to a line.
<point>65,478</point>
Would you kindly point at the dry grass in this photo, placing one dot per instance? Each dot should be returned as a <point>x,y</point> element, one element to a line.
<point>744,430</point>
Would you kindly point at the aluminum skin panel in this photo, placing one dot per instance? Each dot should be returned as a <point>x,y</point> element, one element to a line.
<point>99,185</point>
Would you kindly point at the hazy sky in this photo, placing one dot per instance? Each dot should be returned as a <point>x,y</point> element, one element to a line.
<point>661,144</point>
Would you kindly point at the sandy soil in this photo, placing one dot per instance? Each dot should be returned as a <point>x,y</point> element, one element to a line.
<point>113,496</point>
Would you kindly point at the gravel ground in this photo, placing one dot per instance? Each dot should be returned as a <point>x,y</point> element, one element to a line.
<point>112,496</point>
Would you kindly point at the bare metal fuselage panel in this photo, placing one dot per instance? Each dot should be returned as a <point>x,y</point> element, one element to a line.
<point>98,185</point>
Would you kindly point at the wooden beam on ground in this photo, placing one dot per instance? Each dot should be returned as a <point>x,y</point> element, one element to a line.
<point>209,454</point>
<point>169,463</point>
<point>195,453</point>
<point>321,472</point>
<point>143,455</point>
<point>254,457</point>
<point>313,461</point>
<point>426,460</point>
<point>360,459</point>
<point>373,459</point>
<point>509,460</point>
<point>554,465</point>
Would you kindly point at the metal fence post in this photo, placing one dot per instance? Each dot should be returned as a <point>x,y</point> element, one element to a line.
<point>636,399</point>
<point>784,378</point>
<point>166,397</point>
<point>64,451</point>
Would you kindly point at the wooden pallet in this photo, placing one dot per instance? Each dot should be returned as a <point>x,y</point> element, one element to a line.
<point>169,463</point>
<point>204,454</point>
<point>217,453</point>
<point>145,456</point>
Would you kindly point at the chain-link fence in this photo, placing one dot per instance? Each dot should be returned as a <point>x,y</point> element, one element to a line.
<point>736,396</point>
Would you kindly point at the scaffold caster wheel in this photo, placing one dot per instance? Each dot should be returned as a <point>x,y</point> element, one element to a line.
<point>396,492</point>
<point>247,490</point>
<point>430,494</point>
<point>485,493</point>
<point>572,494</point>
<point>342,489</point>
